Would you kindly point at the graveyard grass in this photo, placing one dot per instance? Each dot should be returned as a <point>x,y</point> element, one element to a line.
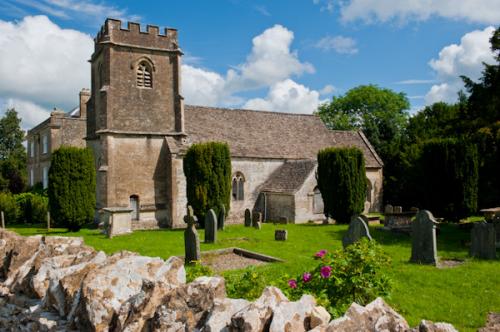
<point>461,295</point>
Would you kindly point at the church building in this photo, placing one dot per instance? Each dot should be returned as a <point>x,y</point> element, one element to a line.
<point>139,130</point>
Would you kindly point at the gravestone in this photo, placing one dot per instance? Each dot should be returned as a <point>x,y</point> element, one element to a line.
<point>191,238</point>
<point>257,220</point>
<point>3,219</point>
<point>398,209</point>
<point>210,227</point>
<point>389,209</point>
<point>423,239</point>
<point>248,218</point>
<point>357,229</point>
<point>48,221</point>
<point>483,241</point>
<point>283,220</point>
<point>222,217</point>
<point>281,235</point>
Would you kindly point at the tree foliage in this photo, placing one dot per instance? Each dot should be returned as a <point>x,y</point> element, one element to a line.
<point>342,182</point>
<point>9,207</point>
<point>451,177</point>
<point>207,167</point>
<point>12,153</point>
<point>32,208</point>
<point>72,187</point>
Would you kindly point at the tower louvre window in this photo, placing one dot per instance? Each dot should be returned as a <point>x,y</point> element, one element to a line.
<point>144,75</point>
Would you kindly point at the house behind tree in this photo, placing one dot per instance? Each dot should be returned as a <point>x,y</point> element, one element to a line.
<point>139,130</point>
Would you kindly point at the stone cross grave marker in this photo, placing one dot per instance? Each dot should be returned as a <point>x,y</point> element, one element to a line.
<point>221,220</point>
<point>257,220</point>
<point>483,241</point>
<point>191,238</point>
<point>210,227</point>
<point>423,239</point>
<point>281,235</point>
<point>357,229</point>
<point>389,208</point>
<point>248,218</point>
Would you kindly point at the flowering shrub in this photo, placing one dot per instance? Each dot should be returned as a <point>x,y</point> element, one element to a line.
<point>356,274</point>
<point>248,285</point>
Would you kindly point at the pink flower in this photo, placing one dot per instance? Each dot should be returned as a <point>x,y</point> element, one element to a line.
<point>321,253</point>
<point>292,283</point>
<point>306,277</point>
<point>326,271</point>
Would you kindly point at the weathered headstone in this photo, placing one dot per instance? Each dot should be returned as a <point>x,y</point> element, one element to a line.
<point>398,209</point>
<point>257,220</point>
<point>389,209</point>
<point>423,239</point>
<point>210,227</point>
<point>3,219</point>
<point>191,238</point>
<point>281,235</point>
<point>283,220</point>
<point>357,229</point>
<point>248,218</point>
<point>48,221</point>
<point>222,217</point>
<point>483,241</point>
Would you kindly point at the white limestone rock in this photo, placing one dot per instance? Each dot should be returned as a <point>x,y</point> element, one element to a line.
<point>219,320</point>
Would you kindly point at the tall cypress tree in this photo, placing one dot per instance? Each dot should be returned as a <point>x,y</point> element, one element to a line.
<point>72,187</point>
<point>207,167</point>
<point>342,182</point>
<point>451,177</point>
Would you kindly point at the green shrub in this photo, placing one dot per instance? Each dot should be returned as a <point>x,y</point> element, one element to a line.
<point>342,182</point>
<point>356,274</point>
<point>248,285</point>
<point>72,187</point>
<point>207,167</point>
<point>450,178</point>
<point>9,207</point>
<point>32,208</point>
<point>196,270</point>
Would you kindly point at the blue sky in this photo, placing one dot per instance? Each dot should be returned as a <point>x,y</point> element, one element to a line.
<point>277,55</point>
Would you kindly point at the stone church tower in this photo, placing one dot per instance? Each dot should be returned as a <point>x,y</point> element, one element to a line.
<point>134,106</point>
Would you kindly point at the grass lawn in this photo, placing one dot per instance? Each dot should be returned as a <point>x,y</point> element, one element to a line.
<point>461,295</point>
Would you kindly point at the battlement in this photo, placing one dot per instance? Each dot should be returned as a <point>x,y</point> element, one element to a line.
<point>113,32</point>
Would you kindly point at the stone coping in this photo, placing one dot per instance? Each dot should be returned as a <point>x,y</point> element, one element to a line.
<point>117,209</point>
<point>241,252</point>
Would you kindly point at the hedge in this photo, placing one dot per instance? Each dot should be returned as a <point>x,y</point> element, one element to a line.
<point>72,187</point>
<point>32,208</point>
<point>207,167</point>
<point>9,207</point>
<point>342,182</point>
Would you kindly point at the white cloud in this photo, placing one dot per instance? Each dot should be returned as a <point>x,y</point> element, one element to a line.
<point>270,64</point>
<point>43,63</point>
<point>415,81</point>
<point>327,89</point>
<point>270,61</point>
<point>340,44</point>
<point>454,60</point>
<point>287,96</point>
<point>370,11</point>
<point>325,5</point>
<point>81,10</point>
<point>30,113</point>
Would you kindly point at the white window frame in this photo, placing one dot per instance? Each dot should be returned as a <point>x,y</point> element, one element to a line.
<point>45,177</point>
<point>31,148</point>
<point>45,143</point>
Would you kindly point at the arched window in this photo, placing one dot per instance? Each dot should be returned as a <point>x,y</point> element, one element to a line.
<point>318,206</point>
<point>144,75</point>
<point>134,205</point>
<point>238,187</point>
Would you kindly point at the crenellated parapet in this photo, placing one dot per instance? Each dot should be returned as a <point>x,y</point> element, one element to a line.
<point>133,36</point>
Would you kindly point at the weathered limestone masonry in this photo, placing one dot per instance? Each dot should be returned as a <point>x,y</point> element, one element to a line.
<point>59,284</point>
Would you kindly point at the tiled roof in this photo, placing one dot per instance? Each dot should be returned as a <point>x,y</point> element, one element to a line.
<point>289,177</point>
<point>261,134</point>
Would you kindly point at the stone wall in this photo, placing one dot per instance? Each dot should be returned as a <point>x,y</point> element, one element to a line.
<point>59,284</point>
<point>279,205</point>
